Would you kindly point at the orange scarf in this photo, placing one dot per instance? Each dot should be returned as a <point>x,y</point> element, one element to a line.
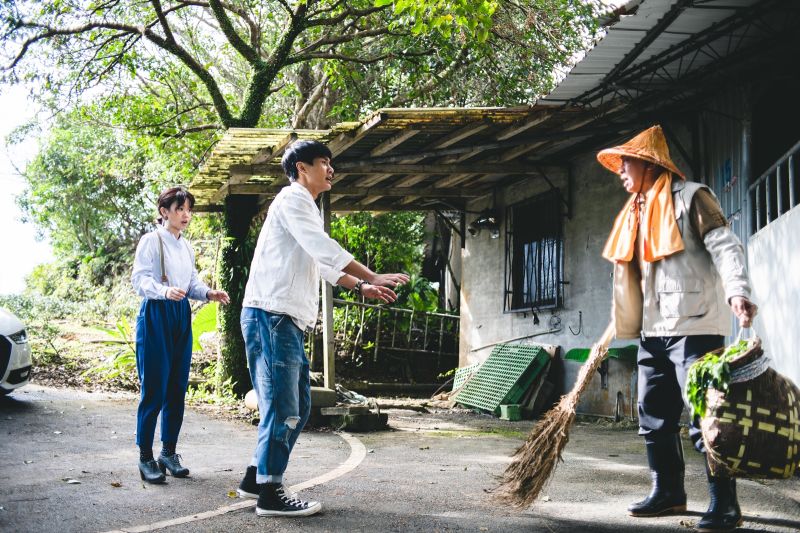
<point>663,237</point>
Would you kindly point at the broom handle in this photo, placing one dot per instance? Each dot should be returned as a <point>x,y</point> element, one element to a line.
<point>586,373</point>
<point>608,334</point>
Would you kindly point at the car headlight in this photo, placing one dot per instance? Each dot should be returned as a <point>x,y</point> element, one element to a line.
<point>19,337</point>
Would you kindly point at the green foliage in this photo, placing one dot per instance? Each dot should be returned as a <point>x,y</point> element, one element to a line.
<point>418,294</point>
<point>211,390</point>
<point>121,353</point>
<point>711,371</point>
<point>389,242</point>
<point>204,321</point>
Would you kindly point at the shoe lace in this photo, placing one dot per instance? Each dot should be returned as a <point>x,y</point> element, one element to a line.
<point>290,498</point>
<point>176,458</point>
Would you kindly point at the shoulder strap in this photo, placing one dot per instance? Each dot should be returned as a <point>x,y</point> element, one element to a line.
<point>161,248</point>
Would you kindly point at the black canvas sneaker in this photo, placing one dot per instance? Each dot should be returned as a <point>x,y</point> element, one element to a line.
<point>248,488</point>
<point>275,500</point>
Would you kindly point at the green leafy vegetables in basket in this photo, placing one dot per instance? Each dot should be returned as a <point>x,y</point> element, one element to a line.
<point>711,371</point>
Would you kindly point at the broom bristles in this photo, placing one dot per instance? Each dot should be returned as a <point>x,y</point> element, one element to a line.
<point>533,464</point>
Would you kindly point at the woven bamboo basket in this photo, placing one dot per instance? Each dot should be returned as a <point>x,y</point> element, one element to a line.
<point>753,429</point>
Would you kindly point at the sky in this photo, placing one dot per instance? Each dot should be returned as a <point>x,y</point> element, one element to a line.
<point>18,244</point>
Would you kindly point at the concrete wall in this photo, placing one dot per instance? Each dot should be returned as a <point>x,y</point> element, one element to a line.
<point>774,263</point>
<point>598,196</point>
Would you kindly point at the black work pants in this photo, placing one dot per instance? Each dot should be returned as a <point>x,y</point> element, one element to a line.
<point>663,365</point>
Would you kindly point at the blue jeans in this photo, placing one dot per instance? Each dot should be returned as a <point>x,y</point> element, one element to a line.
<point>163,357</point>
<point>279,371</point>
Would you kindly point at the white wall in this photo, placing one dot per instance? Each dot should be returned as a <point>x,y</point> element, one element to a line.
<point>774,264</point>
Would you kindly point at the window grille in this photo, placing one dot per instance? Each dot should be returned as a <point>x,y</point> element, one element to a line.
<point>534,254</point>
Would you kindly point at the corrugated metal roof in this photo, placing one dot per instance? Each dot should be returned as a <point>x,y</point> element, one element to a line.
<point>625,35</point>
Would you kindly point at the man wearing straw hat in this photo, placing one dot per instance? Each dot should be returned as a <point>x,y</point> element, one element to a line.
<point>677,268</point>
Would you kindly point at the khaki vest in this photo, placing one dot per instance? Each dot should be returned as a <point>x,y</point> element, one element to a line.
<point>687,292</point>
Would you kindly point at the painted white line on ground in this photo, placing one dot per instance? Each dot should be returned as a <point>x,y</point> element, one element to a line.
<point>357,454</point>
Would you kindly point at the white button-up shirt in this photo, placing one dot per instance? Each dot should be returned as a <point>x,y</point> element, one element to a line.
<point>293,250</point>
<point>178,264</point>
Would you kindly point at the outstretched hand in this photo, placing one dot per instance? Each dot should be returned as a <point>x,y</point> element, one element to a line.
<point>389,280</point>
<point>218,296</point>
<point>744,309</point>
<point>376,292</point>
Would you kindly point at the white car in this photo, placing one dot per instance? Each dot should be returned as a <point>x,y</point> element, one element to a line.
<point>15,353</point>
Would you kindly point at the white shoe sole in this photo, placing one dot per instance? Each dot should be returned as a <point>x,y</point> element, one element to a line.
<point>246,495</point>
<point>312,509</point>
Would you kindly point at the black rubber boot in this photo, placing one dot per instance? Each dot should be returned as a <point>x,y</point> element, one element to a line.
<point>665,457</point>
<point>724,513</point>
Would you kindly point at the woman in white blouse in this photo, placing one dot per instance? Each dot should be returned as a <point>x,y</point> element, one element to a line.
<point>164,274</point>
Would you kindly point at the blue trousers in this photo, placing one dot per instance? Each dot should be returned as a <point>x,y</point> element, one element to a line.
<point>663,365</point>
<point>163,356</point>
<point>279,371</point>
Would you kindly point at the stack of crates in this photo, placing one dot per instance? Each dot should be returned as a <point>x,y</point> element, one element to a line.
<point>504,378</point>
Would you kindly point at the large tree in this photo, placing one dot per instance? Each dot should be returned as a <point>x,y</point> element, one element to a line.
<point>219,64</point>
<point>184,70</point>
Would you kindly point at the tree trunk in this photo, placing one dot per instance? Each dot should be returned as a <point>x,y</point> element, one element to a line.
<point>233,268</point>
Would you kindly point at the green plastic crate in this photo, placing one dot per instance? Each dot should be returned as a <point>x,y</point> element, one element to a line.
<point>504,377</point>
<point>462,374</point>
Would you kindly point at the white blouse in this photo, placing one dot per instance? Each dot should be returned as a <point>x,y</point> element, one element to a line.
<point>178,264</point>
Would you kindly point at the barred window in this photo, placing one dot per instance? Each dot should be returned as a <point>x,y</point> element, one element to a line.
<point>534,254</point>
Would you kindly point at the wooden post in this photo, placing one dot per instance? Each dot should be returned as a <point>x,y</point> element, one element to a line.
<point>328,354</point>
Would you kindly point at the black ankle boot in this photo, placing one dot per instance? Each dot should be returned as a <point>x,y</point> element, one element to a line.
<point>172,463</point>
<point>665,457</point>
<point>150,472</point>
<point>724,513</point>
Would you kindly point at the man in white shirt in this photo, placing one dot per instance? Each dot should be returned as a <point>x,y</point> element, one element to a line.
<point>281,301</point>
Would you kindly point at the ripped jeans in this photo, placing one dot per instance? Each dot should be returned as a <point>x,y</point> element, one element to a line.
<point>280,375</point>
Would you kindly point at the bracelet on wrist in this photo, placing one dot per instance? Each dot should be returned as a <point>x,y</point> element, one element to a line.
<point>359,284</point>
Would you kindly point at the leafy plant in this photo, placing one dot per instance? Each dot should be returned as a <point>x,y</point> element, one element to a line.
<point>211,390</point>
<point>204,321</point>
<point>122,351</point>
<point>711,371</point>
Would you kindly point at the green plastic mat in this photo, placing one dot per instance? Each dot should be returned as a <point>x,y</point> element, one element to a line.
<point>626,353</point>
<point>462,374</point>
<point>504,377</point>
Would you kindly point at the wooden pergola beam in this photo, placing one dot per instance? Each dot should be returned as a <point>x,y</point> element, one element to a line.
<point>348,139</point>
<point>269,189</point>
<point>393,142</point>
<point>486,167</point>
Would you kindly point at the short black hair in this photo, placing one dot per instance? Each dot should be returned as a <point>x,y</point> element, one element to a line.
<point>302,151</point>
<point>171,196</point>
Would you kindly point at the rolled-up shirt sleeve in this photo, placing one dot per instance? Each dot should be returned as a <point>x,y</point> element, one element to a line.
<point>330,275</point>
<point>305,226</point>
<point>197,289</point>
<point>142,277</point>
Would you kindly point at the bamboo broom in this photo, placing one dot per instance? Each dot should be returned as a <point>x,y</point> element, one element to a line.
<point>534,462</point>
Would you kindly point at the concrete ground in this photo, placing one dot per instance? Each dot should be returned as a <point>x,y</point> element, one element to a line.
<point>430,472</point>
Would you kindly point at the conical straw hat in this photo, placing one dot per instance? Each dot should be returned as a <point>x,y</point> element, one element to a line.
<point>650,145</point>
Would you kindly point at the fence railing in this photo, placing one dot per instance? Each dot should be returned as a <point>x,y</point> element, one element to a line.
<point>776,191</point>
<point>391,343</point>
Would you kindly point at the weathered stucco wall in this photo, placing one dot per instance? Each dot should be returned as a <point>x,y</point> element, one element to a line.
<point>598,196</point>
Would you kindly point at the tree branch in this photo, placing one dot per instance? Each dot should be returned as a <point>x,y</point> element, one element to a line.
<point>315,96</point>
<point>172,47</point>
<point>225,24</point>
<point>355,13</point>
<point>162,18</point>
<point>343,39</point>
